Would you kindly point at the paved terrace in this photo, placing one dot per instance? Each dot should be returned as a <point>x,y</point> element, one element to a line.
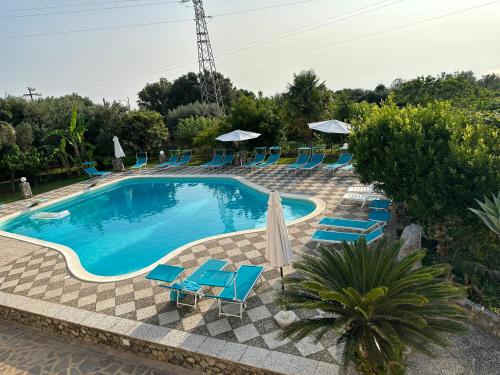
<point>40,273</point>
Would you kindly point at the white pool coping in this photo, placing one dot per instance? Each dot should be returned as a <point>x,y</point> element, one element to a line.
<point>73,261</point>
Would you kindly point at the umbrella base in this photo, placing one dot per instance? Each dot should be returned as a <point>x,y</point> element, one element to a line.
<point>118,165</point>
<point>285,318</point>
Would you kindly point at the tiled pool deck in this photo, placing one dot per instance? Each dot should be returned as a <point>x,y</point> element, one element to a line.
<point>40,274</point>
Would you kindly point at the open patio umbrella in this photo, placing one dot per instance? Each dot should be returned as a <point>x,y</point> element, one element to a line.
<point>237,136</point>
<point>331,127</point>
<point>278,246</point>
<point>118,148</point>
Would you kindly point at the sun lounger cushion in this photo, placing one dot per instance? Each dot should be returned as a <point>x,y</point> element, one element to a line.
<point>348,223</point>
<point>380,204</point>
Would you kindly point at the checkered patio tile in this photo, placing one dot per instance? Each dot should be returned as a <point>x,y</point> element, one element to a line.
<point>42,274</point>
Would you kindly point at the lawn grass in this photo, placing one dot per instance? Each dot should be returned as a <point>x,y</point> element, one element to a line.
<point>7,196</point>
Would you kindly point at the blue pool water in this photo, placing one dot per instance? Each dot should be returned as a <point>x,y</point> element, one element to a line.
<point>131,224</point>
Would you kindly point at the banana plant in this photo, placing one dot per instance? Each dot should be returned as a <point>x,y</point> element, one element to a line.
<point>73,136</point>
<point>489,212</point>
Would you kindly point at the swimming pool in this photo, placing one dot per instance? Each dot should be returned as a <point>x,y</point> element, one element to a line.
<point>129,225</point>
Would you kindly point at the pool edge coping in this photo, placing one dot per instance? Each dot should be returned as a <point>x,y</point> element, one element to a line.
<point>73,261</point>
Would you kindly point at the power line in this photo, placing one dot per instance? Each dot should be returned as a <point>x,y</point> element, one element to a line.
<point>21,36</point>
<point>62,32</point>
<point>365,36</point>
<point>347,15</point>
<point>68,5</point>
<point>88,10</point>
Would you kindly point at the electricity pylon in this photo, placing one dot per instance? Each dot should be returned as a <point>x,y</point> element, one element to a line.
<point>209,80</point>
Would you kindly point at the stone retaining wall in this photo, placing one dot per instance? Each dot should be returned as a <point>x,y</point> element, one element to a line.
<point>156,351</point>
<point>482,317</point>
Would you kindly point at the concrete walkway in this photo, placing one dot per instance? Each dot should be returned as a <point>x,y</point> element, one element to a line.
<point>26,351</point>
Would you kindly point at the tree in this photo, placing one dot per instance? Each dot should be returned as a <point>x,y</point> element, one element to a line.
<point>195,109</point>
<point>7,135</point>
<point>24,135</point>
<point>156,96</point>
<point>13,159</point>
<point>378,304</point>
<point>143,130</point>
<point>189,128</point>
<point>307,101</point>
<point>259,115</point>
<point>185,90</point>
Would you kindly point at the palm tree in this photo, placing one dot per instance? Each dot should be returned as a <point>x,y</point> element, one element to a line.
<point>378,305</point>
<point>307,100</point>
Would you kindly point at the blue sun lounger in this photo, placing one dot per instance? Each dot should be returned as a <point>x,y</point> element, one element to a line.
<point>333,237</point>
<point>185,159</point>
<point>226,160</point>
<point>92,172</point>
<point>174,158</point>
<point>375,219</point>
<point>379,215</point>
<point>342,161</point>
<point>218,156</point>
<point>316,161</point>
<point>142,161</point>
<point>359,225</point>
<point>166,275</point>
<point>273,157</point>
<point>260,155</point>
<point>302,159</point>
<point>379,204</point>
<point>240,288</point>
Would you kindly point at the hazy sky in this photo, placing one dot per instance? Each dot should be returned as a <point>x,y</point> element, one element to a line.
<point>345,42</point>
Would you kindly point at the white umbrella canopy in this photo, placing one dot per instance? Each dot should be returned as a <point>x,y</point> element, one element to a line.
<point>118,148</point>
<point>331,127</point>
<point>237,136</point>
<point>278,246</point>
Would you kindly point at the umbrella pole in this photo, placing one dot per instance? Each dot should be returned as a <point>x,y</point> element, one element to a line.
<point>282,281</point>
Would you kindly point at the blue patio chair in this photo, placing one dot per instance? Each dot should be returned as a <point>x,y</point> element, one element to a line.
<point>142,160</point>
<point>174,158</point>
<point>260,155</point>
<point>218,156</point>
<point>302,159</point>
<point>343,161</point>
<point>239,290</point>
<point>185,159</point>
<point>316,160</point>
<point>189,286</point>
<point>334,237</point>
<point>273,159</point>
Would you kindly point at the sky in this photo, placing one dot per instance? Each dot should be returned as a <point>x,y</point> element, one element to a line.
<point>258,44</point>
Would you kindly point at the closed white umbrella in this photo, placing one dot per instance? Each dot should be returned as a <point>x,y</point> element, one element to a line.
<point>278,246</point>
<point>331,127</point>
<point>237,136</point>
<point>118,148</point>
